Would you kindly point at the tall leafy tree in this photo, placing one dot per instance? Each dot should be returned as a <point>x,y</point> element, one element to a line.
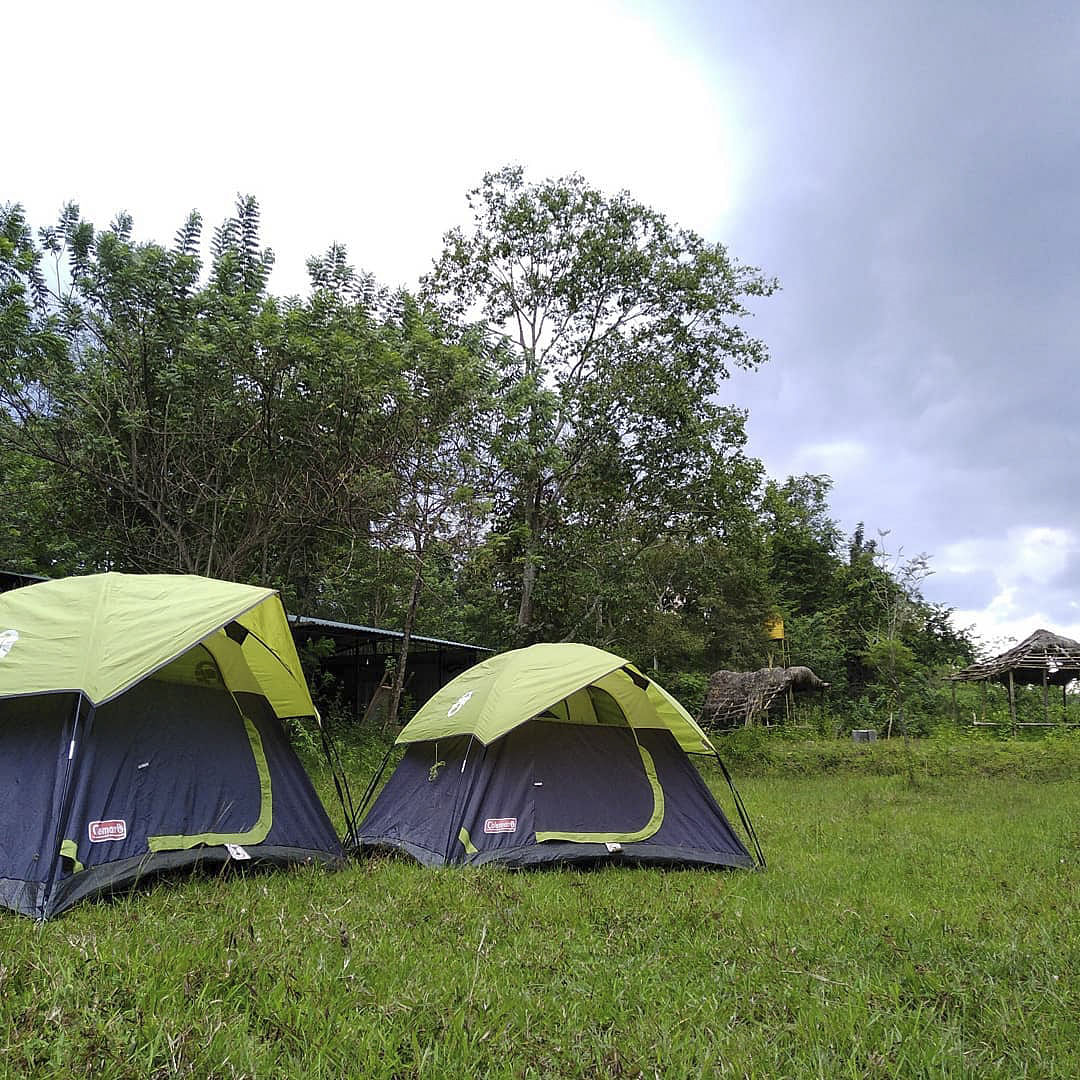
<point>618,328</point>
<point>208,426</point>
<point>441,422</point>
<point>804,543</point>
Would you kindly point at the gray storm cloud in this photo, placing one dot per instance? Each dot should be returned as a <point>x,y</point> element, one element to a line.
<point>914,190</point>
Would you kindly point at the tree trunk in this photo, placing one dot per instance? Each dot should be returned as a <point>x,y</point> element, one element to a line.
<point>403,656</point>
<point>531,570</point>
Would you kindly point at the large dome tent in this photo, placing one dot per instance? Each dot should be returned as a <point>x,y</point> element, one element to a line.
<point>140,730</point>
<point>550,754</point>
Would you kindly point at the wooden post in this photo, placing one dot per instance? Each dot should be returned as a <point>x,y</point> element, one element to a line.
<point>1064,707</point>
<point>1012,700</point>
<point>955,710</point>
<point>1046,697</point>
<point>982,704</point>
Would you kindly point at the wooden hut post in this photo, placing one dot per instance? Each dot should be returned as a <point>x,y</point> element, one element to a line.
<point>1046,697</point>
<point>955,709</point>
<point>1012,700</point>
<point>982,703</point>
<point>1064,707</point>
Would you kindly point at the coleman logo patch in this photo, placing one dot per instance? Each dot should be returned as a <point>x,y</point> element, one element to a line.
<point>7,640</point>
<point>100,831</point>
<point>500,824</point>
<point>459,704</point>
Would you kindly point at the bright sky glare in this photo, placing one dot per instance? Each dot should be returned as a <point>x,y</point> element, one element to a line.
<point>908,172</point>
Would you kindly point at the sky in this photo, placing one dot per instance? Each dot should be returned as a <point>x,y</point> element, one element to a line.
<point>909,173</point>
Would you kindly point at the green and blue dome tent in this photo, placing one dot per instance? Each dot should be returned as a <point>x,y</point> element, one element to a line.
<point>140,731</point>
<point>549,754</point>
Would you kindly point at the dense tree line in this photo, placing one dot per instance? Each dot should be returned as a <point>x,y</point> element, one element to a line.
<point>530,447</point>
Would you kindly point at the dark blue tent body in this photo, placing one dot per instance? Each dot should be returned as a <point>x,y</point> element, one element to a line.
<point>162,777</point>
<point>512,802</point>
<point>554,753</point>
<point>187,764</point>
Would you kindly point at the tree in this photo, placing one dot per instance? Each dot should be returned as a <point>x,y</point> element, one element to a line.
<point>803,543</point>
<point>442,416</point>
<point>208,427</point>
<point>619,327</point>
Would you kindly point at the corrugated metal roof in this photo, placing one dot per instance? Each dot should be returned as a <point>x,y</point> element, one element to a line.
<point>301,621</point>
<point>14,580</point>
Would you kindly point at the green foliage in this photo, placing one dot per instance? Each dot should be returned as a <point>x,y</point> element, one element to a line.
<point>862,622</point>
<point>803,543</point>
<point>947,753</point>
<point>534,449</point>
<point>616,328</point>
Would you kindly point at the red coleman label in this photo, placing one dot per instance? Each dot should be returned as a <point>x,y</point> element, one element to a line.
<point>100,831</point>
<point>500,824</point>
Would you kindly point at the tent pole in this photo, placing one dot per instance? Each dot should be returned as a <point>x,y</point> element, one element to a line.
<point>341,780</point>
<point>64,809</point>
<point>740,807</point>
<point>367,794</point>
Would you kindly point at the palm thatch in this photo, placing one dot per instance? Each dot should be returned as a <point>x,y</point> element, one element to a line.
<point>1042,657</point>
<point>737,697</point>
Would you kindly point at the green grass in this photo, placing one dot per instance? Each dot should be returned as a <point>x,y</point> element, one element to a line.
<point>908,925</point>
<point>785,752</point>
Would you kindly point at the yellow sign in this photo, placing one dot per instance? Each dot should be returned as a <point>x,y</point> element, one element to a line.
<point>774,627</point>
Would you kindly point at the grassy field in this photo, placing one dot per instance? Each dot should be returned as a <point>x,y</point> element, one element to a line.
<point>912,922</point>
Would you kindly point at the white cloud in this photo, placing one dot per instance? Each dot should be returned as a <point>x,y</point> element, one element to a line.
<point>1024,564</point>
<point>1034,554</point>
<point>359,123</point>
<point>839,459</point>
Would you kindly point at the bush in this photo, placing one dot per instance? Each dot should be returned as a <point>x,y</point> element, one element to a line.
<point>1053,756</point>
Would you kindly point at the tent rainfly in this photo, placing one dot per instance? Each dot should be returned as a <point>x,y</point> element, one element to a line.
<point>549,754</point>
<point>1044,659</point>
<point>140,730</point>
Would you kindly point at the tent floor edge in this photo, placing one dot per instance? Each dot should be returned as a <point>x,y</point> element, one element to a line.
<point>96,881</point>
<point>368,846</point>
<point>566,853</point>
<point>22,897</point>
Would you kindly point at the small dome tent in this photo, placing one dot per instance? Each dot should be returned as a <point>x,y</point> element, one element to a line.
<point>140,730</point>
<point>552,753</point>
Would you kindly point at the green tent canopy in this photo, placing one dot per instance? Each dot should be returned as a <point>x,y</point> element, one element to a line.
<point>100,634</point>
<point>498,695</point>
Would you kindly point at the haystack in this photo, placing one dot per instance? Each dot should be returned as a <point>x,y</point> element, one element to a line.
<point>739,697</point>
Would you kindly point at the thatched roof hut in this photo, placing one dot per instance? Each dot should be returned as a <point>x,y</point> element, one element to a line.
<point>1042,654</point>
<point>736,697</point>
<point>1044,659</point>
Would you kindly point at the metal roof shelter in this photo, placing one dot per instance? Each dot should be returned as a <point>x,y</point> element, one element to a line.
<point>9,579</point>
<point>1044,659</point>
<point>358,660</point>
